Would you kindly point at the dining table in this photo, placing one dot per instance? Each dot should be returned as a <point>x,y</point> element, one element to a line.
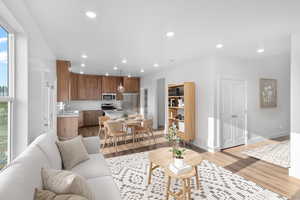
<point>132,124</point>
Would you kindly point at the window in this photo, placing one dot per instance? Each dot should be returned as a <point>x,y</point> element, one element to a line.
<point>5,94</point>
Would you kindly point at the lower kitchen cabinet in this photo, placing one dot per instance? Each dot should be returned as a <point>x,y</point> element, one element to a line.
<point>91,117</point>
<point>67,127</point>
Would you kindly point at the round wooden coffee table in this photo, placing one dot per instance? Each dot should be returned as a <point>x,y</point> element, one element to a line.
<point>162,158</point>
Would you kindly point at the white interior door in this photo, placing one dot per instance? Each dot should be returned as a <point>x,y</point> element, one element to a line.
<point>233,113</point>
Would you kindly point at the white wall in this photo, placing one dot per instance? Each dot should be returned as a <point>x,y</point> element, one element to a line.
<point>205,72</point>
<point>295,106</point>
<point>268,122</point>
<point>34,59</point>
<point>201,72</point>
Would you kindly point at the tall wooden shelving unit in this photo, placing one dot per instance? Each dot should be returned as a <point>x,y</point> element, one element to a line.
<point>181,109</point>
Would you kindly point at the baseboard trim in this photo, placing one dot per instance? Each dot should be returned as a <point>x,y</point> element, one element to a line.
<point>207,148</point>
<point>261,139</point>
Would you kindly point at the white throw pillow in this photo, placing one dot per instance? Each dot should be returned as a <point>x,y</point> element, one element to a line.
<point>48,195</point>
<point>72,152</point>
<point>66,182</point>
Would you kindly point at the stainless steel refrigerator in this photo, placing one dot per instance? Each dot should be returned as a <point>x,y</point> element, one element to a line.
<point>131,102</point>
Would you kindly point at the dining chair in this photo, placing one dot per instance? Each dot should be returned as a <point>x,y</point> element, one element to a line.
<point>146,128</point>
<point>102,119</point>
<point>114,130</point>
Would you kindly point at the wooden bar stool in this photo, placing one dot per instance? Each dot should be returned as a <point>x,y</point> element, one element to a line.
<point>185,179</point>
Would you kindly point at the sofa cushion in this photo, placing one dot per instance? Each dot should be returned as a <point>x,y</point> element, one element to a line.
<point>104,188</point>
<point>94,167</point>
<point>72,152</point>
<point>66,182</point>
<point>20,178</point>
<point>47,143</point>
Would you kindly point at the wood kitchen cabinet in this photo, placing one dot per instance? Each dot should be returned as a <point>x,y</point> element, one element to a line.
<point>89,87</point>
<point>91,117</point>
<point>67,127</point>
<point>74,86</point>
<point>131,84</point>
<point>63,80</point>
<point>109,84</point>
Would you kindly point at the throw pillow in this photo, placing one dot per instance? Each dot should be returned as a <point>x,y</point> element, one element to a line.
<point>65,182</point>
<point>72,152</point>
<point>48,195</point>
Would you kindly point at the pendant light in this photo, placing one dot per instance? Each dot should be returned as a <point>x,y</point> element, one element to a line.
<point>121,88</point>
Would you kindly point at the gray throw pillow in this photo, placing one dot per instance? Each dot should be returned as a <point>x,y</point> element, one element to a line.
<point>72,152</point>
<point>66,182</point>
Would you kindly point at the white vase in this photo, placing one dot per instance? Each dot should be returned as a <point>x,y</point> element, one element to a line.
<point>178,162</point>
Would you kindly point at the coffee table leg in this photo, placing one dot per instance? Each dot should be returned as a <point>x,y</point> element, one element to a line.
<point>150,173</point>
<point>184,189</point>
<point>197,178</point>
<point>188,188</point>
<point>168,187</point>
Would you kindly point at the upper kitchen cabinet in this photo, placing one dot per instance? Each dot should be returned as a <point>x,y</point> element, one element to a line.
<point>63,80</point>
<point>109,84</point>
<point>131,84</point>
<point>74,86</point>
<point>89,87</point>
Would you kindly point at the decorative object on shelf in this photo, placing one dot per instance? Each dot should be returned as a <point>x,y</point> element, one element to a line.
<point>180,102</point>
<point>181,126</point>
<point>268,93</point>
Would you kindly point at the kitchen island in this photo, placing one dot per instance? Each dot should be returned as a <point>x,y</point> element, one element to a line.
<point>69,122</point>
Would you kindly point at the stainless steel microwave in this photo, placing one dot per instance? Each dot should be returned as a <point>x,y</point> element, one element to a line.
<point>108,96</point>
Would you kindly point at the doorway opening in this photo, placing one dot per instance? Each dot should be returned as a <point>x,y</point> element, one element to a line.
<point>161,96</point>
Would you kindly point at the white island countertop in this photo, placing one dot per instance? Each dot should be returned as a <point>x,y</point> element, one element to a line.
<point>116,114</point>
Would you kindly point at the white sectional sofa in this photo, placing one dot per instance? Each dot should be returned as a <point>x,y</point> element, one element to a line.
<point>19,179</point>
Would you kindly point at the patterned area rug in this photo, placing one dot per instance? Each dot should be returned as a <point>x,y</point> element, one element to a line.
<point>278,154</point>
<point>130,174</point>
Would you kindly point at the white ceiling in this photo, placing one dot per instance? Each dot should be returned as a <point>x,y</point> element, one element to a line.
<point>135,30</point>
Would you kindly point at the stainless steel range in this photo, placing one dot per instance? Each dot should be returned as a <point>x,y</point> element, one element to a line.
<point>108,106</point>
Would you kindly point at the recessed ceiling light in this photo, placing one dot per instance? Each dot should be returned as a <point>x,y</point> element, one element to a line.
<point>107,74</point>
<point>142,70</point>
<point>260,50</point>
<point>83,56</point>
<point>82,65</point>
<point>91,14</point>
<point>219,46</point>
<point>124,61</point>
<point>156,65</point>
<point>170,34</point>
<point>115,68</point>
<point>129,75</point>
<point>81,72</point>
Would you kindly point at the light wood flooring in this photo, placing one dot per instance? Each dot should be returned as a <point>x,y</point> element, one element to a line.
<point>267,175</point>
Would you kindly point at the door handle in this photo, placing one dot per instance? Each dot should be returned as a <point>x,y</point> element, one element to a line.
<point>234,116</point>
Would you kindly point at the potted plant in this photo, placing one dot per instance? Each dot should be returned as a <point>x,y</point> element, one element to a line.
<point>125,115</point>
<point>178,160</point>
